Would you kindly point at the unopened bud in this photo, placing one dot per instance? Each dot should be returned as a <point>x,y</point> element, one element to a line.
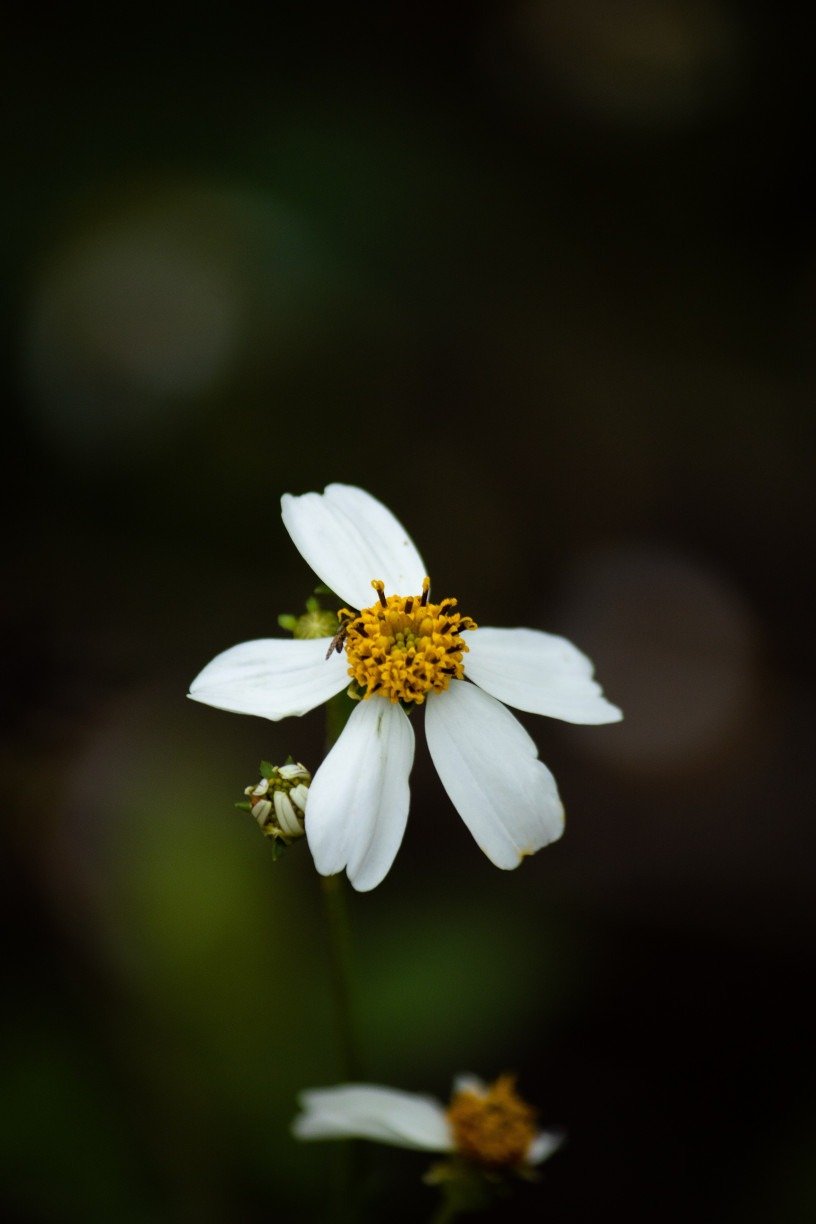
<point>278,801</point>
<point>315,622</point>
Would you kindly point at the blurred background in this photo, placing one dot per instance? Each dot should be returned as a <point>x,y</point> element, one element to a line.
<point>542,277</point>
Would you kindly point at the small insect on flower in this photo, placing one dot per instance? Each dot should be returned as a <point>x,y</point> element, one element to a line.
<point>338,641</point>
<point>403,651</point>
<point>485,1125</point>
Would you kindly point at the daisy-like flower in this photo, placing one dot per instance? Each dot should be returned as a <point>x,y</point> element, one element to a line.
<point>489,1126</point>
<point>401,650</point>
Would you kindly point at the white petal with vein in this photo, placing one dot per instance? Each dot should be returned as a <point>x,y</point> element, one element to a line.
<point>366,1111</point>
<point>489,766</point>
<point>271,677</point>
<point>348,538</point>
<point>359,797</point>
<point>537,672</point>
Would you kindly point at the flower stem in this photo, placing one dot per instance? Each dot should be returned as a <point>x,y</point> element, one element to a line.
<point>445,1212</point>
<point>338,929</point>
<point>338,711</point>
<point>345,1172</point>
<point>339,934</point>
<point>463,1191</point>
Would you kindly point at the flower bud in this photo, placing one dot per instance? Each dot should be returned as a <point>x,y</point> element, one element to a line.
<point>315,622</point>
<point>278,801</point>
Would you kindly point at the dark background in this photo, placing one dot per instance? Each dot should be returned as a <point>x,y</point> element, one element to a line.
<point>541,277</point>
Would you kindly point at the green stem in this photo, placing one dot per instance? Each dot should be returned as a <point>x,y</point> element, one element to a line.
<point>345,1174</point>
<point>463,1192</point>
<point>338,711</point>
<point>335,905</point>
<point>339,933</point>
<point>344,1157</point>
<point>445,1212</point>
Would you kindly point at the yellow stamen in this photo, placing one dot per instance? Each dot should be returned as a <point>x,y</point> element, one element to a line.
<point>494,1127</point>
<point>403,647</point>
<point>379,587</point>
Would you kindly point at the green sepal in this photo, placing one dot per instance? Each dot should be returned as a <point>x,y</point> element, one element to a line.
<point>316,623</point>
<point>244,806</point>
<point>278,848</point>
<point>287,621</point>
<point>267,770</point>
<point>464,1187</point>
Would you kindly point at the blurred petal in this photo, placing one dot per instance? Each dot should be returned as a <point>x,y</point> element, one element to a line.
<point>272,677</point>
<point>365,1111</point>
<point>544,1144</point>
<point>348,538</point>
<point>469,1083</point>
<point>537,672</point>
<point>359,797</point>
<point>489,767</point>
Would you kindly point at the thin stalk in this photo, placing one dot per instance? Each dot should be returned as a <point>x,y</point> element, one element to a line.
<point>445,1212</point>
<point>346,1174</point>
<point>339,936</point>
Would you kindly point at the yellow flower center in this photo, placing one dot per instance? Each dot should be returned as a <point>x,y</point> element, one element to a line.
<point>493,1127</point>
<point>404,647</point>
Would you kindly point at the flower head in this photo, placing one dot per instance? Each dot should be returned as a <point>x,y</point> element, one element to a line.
<point>278,801</point>
<point>486,1125</point>
<point>401,650</point>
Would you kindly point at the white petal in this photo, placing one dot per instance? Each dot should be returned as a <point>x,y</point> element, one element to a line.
<point>489,767</point>
<point>469,1083</point>
<point>358,800</point>
<point>273,677</point>
<point>544,1144</point>
<point>285,813</point>
<point>299,795</point>
<point>366,1111</point>
<point>290,772</point>
<point>261,810</point>
<point>348,538</point>
<point>537,672</point>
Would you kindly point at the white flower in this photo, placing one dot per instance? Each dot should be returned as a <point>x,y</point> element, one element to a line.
<point>489,1125</point>
<point>402,651</point>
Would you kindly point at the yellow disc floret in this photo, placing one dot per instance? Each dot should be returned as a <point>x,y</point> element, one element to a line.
<point>404,647</point>
<point>492,1126</point>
